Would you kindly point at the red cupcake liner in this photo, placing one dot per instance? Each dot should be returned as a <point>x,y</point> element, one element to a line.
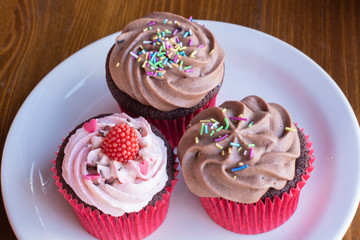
<point>259,217</point>
<point>173,129</point>
<point>135,225</point>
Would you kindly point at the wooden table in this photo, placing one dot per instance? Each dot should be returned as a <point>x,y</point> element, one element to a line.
<point>37,35</point>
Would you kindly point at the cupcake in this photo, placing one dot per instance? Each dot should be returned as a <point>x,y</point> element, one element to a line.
<point>117,173</point>
<point>167,69</point>
<point>247,161</point>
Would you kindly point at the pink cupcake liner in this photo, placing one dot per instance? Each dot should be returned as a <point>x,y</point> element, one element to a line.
<point>135,225</point>
<point>259,217</point>
<point>173,129</point>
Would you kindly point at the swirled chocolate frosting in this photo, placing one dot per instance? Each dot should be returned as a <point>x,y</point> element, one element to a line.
<point>166,61</point>
<point>239,150</point>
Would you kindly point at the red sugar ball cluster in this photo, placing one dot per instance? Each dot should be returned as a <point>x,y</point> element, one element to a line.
<point>121,143</point>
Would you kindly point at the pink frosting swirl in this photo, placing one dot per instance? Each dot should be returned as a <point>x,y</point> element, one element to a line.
<point>239,150</point>
<point>166,61</point>
<point>113,187</point>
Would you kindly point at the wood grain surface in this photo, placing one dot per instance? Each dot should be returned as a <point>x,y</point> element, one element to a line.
<point>37,35</point>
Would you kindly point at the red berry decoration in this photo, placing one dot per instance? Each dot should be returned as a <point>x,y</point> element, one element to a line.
<point>121,143</point>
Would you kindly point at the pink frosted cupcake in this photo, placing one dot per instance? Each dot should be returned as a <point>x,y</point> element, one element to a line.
<point>247,161</point>
<point>117,173</point>
<point>167,69</point>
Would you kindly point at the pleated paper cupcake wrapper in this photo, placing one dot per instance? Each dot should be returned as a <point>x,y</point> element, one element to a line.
<point>135,225</point>
<point>173,129</point>
<point>258,217</point>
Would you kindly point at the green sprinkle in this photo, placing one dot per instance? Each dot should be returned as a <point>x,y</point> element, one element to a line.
<point>219,128</point>
<point>212,132</point>
<point>196,140</point>
<point>153,65</point>
<point>251,145</point>
<point>202,129</point>
<point>227,123</point>
<point>250,124</point>
<point>187,67</point>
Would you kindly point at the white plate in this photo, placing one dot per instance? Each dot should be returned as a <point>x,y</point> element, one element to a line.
<point>256,63</point>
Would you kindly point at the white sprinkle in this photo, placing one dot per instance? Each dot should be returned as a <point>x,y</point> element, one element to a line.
<point>134,55</point>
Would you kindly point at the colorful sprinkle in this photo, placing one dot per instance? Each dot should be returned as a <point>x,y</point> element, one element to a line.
<point>239,168</point>
<point>238,118</point>
<point>251,154</point>
<point>206,129</point>
<point>215,125</point>
<point>134,55</point>
<point>250,124</point>
<point>190,18</point>
<point>166,20</point>
<point>193,53</point>
<point>218,146</point>
<point>290,129</point>
<point>251,145</point>
<point>202,129</point>
<point>239,149</point>
<point>117,64</point>
<point>234,144</point>
<point>201,46</point>
<point>211,52</point>
<point>189,70</point>
<point>196,140</point>
<point>91,176</point>
<point>205,121</point>
<point>213,120</point>
<point>219,128</point>
<point>227,123</point>
<point>212,132</point>
<point>190,41</point>
<point>221,138</point>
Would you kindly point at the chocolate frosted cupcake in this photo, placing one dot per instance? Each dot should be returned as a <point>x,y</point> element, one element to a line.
<point>117,173</point>
<point>165,68</point>
<point>247,161</point>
